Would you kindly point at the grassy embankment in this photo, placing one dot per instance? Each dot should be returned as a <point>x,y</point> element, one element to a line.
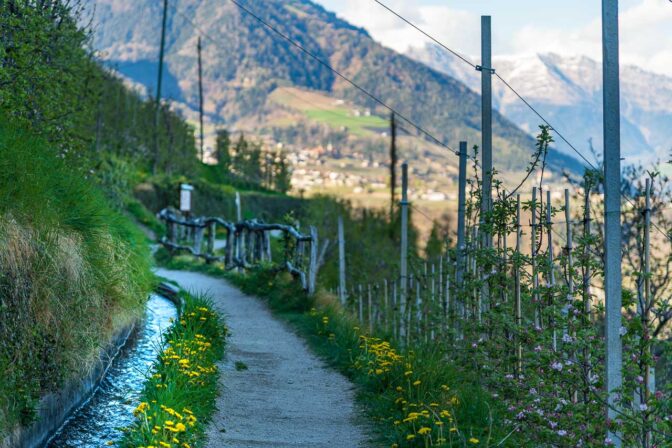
<point>178,399</point>
<point>73,272</point>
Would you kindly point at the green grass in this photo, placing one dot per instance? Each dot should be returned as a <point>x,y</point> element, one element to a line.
<point>390,396</point>
<point>338,117</point>
<point>179,398</point>
<point>144,217</point>
<point>73,272</point>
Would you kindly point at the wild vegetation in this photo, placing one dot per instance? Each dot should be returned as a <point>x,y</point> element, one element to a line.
<point>413,397</point>
<point>179,397</point>
<point>73,272</point>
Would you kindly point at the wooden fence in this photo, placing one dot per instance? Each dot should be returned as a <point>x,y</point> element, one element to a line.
<point>246,244</point>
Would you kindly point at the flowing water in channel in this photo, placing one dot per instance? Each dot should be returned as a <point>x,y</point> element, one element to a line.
<point>110,409</point>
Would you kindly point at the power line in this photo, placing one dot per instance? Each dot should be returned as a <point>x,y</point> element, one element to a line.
<point>458,55</point>
<point>545,121</point>
<point>590,164</point>
<point>342,76</point>
<point>422,213</point>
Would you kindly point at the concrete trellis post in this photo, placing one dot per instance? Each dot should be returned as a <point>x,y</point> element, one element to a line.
<point>587,300</point>
<point>551,271</point>
<point>432,304</point>
<point>461,217</point>
<point>404,249</point>
<point>341,261</point>
<point>386,305</point>
<point>518,305</point>
<point>650,370</point>
<point>570,260</point>
<point>312,269</point>
<point>395,313</point>
<point>361,305</point>
<point>535,272</point>
<point>612,209</point>
<point>370,308</point>
<point>486,117</point>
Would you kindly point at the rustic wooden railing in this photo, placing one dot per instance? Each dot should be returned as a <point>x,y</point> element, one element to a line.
<point>247,244</point>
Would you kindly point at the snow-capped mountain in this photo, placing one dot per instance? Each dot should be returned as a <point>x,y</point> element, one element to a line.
<point>568,92</point>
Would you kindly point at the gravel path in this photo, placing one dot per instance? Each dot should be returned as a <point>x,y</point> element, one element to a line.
<point>287,397</point>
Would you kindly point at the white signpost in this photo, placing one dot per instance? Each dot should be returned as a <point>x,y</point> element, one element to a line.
<point>185,197</point>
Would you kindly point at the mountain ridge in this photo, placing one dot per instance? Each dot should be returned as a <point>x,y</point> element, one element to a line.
<point>249,63</point>
<point>568,90</point>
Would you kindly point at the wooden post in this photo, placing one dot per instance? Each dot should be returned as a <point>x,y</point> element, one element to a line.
<point>518,306</point>
<point>439,288</point>
<point>312,269</point>
<point>230,243</point>
<point>395,311</point>
<point>386,305</point>
<point>404,247</point>
<point>612,210</point>
<point>429,313</point>
<point>476,311</point>
<point>172,232</point>
<point>535,272</point>
<point>420,325</point>
<point>361,306</point>
<point>570,260</point>
<point>410,310</point>
<point>341,261</point>
<point>550,281</point>
<point>454,313</point>
<point>370,309</point>
<point>212,235</point>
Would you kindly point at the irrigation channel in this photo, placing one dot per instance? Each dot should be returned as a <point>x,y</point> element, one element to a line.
<point>110,408</point>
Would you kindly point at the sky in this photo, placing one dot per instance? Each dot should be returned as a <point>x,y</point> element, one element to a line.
<point>567,27</point>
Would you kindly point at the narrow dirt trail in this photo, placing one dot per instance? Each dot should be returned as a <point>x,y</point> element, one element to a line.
<point>287,397</point>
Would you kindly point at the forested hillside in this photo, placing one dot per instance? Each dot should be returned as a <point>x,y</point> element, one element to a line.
<point>244,62</point>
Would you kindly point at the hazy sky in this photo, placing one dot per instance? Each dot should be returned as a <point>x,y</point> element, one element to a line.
<point>521,26</point>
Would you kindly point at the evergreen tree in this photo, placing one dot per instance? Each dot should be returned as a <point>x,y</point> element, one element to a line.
<point>240,152</point>
<point>223,149</point>
<point>283,174</point>
<point>435,243</point>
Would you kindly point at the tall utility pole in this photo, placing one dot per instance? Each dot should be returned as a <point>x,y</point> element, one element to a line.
<point>157,118</point>
<point>461,214</point>
<point>393,163</point>
<point>404,250</point>
<point>200,97</point>
<point>612,208</point>
<point>486,117</point>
